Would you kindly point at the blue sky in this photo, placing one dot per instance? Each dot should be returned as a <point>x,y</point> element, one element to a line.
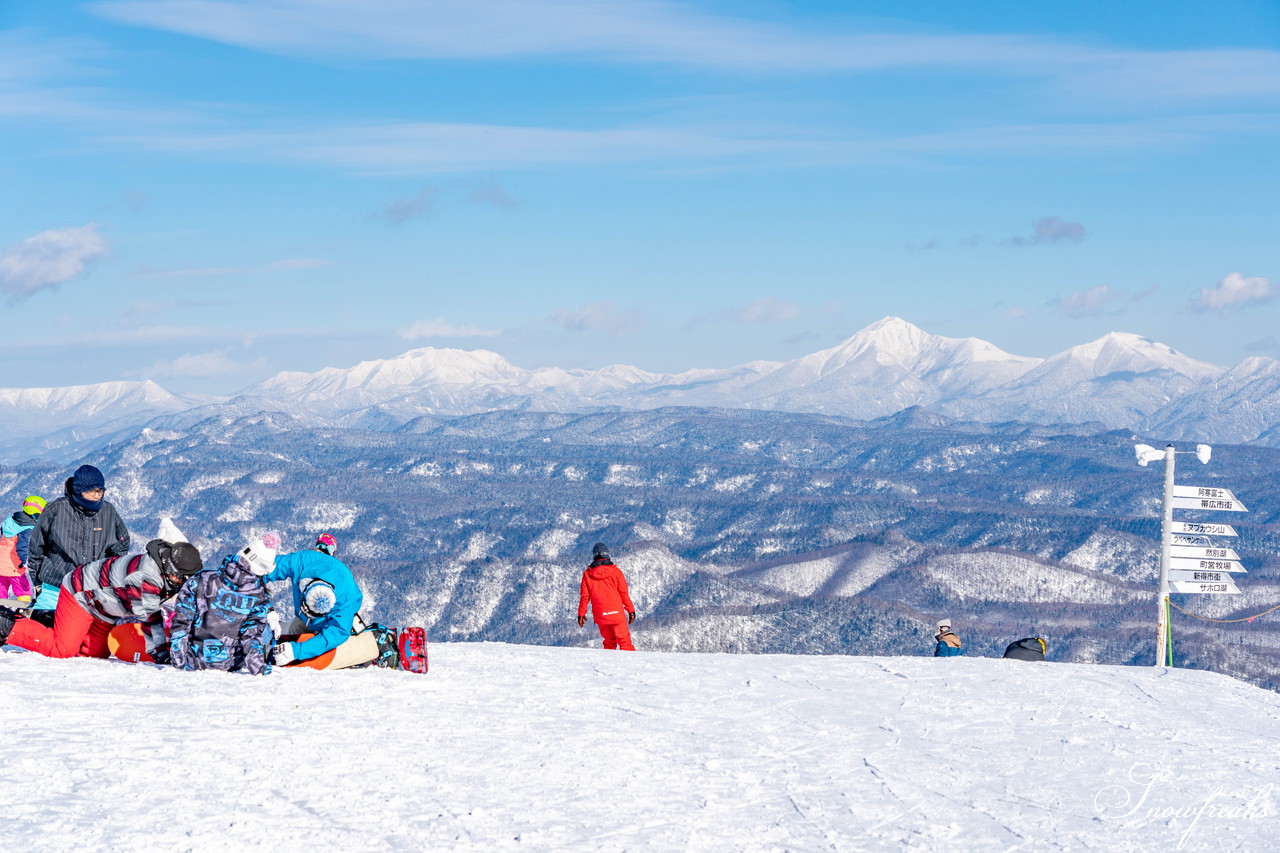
<point>205,192</point>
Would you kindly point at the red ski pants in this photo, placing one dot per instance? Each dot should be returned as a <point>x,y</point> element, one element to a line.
<point>616,636</point>
<point>75,633</point>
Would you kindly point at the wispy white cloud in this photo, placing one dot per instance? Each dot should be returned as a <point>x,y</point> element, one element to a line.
<point>615,30</point>
<point>664,31</point>
<point>208,365</point>
<point>1233,291</point>
<point>765,310</point>
<point>442,328</point>
<point>425,148</point>
<point>145,313</point>
<point>275,266</point>
<point>596,316</point>
<point>49,259</point>
<point>1090,301</point>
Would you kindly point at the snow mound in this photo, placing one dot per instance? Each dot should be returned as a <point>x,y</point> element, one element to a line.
<point>539,748</point>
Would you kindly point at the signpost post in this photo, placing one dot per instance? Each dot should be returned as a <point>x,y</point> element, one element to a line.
<point>1189,562</point>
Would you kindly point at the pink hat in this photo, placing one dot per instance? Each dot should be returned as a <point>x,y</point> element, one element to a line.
<point>326,543</point>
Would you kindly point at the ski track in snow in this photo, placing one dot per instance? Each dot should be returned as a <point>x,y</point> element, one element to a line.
<point>538,748</point>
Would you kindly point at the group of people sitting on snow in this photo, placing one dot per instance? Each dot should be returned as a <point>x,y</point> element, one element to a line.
<point>948,645</point>
<point>67,581</point>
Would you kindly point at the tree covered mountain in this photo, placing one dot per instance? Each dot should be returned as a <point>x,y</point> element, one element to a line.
<point>739,530</point>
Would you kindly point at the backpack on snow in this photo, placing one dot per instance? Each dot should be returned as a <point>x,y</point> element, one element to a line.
<point>1028,648</point>
<point>413,650</point>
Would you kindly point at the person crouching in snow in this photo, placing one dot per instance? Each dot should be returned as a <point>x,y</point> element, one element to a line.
<point>326,600</point>
<point>948,644</point>
<point>221,620</point>
<point>604,587</point>
<point>97,596</point>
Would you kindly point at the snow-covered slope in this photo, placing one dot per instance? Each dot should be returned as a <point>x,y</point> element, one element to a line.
<point>1240,405</point>
<point>504,747</point>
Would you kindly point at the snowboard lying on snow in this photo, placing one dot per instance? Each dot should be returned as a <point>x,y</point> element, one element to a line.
<point>127,642</point>
<point>388,648</point>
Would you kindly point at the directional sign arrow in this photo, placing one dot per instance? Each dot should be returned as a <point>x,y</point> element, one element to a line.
<point>1195,565</point>
<point>1203,553</point>
<point>1204,588</point>
<point>1203,492</point>
<point>1200,577</point>
<point>1200,528</point>
<point>1227,504</point>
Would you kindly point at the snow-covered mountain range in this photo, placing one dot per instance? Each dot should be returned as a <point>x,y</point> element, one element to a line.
<point>1118,381</point>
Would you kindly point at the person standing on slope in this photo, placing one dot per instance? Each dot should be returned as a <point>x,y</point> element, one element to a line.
<point>78,528</point>
<point>604,587</point>
<point>948,643</point>
<point>326,600</point>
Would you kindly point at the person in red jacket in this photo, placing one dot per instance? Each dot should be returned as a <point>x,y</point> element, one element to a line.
<point>605,589</point>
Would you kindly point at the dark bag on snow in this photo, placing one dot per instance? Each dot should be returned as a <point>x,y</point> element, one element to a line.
<point>1028,648</point>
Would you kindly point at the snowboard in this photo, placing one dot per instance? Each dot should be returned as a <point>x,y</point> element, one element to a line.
<point>128,643</point>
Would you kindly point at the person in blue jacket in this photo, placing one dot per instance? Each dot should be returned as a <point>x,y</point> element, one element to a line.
<point>948,642</point>
<point>326,601</point>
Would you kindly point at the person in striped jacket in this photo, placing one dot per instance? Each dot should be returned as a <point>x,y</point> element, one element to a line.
<point>98,596</point>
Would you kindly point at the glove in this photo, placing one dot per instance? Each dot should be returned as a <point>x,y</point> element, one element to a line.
<point>582,620</point>
<point>273,623</point>
<point>631,616</point>
<point>282,655</point>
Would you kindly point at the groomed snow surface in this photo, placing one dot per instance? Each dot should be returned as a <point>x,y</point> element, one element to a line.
<point>504,747</point>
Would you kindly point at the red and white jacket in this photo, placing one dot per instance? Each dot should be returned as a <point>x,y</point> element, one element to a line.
<point>120,588</point>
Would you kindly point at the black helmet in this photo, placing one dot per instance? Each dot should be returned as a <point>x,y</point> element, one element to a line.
<point>600,551</point>
<point>185,559</point>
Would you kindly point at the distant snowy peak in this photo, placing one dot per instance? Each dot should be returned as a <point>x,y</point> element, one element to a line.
<point>894,341</point>
<point>1118,380</point>
<point>416,368</point>
<point>94,400</point>
<point>1121,352</point>
<point>79,410</point>
<point>888,366</point>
